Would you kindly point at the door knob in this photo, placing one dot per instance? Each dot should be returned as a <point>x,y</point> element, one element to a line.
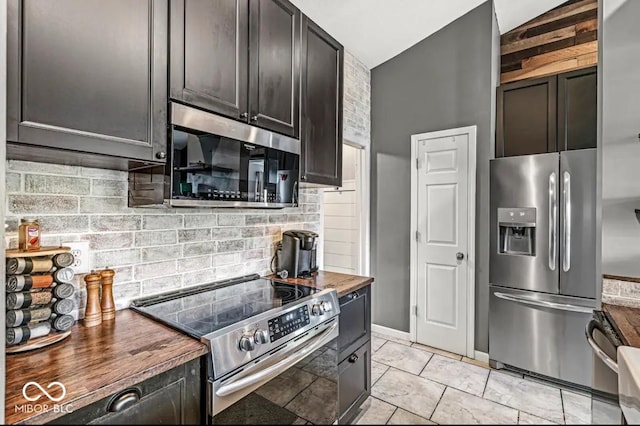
<point>459,255</point>
<point>161,155</point>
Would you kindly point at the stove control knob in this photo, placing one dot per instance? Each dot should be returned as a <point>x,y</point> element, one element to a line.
<point>316,310</point>
<point>261,336</point>
<point>326,306</point>
<point>246,344</point>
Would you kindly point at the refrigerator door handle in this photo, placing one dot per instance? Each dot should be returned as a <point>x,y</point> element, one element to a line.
<point>566,237</point>
<point>553,221</point>
<point>544,303</point>
<point>606,359</point>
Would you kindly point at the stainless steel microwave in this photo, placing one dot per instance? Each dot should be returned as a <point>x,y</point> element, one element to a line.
<point>218,162</point>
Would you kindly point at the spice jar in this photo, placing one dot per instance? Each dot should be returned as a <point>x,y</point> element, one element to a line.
<point>29,235</point>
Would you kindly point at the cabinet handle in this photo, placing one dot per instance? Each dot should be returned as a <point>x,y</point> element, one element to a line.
<point>353,358</point>
<point>125,400</point>
<point>254,118</point>
<point>161,155</point>
<point>355,295</point>
<point>244,115</point>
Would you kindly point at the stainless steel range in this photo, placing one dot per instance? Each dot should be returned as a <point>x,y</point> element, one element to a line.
<point>256,330</point>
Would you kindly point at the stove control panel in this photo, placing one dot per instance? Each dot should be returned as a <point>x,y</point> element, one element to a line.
<point>288,323</point>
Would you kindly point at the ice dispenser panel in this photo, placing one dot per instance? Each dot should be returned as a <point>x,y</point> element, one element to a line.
<point>517,228</point>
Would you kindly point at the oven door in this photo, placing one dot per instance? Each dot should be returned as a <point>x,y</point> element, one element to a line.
<point>280,387</point>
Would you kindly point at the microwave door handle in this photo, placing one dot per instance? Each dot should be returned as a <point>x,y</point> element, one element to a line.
<point>566,237</point>
<point>553,221</point>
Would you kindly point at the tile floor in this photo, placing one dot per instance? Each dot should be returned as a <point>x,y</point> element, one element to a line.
<point>416,384</point>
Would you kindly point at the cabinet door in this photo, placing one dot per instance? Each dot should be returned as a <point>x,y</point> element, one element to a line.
<point>578,109</point>
<point>321,133</point>
<point>526,119</point>
<point>355,321</point>
<point>354,382</point>
<point>209,54</point>
<point>89,76</point>
<point>274,64</point>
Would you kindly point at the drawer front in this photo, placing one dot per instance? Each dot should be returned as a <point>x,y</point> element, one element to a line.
<point>355,321</point>
<point>354,382</point>
<point>172,397</point>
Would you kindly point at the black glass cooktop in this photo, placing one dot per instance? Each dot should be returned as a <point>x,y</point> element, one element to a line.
<point>204,309</point>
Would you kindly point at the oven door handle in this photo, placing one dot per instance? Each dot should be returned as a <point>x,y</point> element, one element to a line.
<point>277,368</point>
<point>606,359</point>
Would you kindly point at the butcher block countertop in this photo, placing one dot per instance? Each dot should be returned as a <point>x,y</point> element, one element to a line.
<point>343,283</point>
<point>93,363</point>
<point>626,322</point>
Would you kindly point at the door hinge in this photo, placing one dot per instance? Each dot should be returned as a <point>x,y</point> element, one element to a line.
<point>417,236</point>
<point>417,162</point>
<point>414,310</point>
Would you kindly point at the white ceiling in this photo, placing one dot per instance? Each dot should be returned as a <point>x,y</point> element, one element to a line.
<point>375,31</point>
<point>511,14</point>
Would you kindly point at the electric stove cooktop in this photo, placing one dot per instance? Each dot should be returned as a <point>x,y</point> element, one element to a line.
<point>204,309</point>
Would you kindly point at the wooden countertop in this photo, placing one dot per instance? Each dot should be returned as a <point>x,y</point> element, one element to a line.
<point>93,363</point>
<point>343,283</point>
<point>626,322</point>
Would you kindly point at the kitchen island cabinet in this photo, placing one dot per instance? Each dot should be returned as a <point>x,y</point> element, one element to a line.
<point>115,359</point>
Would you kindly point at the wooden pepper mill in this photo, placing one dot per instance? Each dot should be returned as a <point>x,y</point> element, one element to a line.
<point>108,305</point>
<point>93,312</point>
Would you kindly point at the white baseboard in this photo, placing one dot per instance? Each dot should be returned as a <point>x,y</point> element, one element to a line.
<point>391,332</point>
<point>481,356</point>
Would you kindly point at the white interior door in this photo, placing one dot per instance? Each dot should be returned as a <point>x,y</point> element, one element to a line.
<point>442,240</point>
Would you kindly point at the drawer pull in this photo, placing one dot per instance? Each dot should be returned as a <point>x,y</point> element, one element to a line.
<point>355,295</point>
<point>124,400</point>
<point>353,358</point>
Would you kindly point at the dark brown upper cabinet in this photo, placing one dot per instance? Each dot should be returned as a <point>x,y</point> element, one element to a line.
<point>87,77</point>
<point>238,58</point>
<point>578,109</point>
<point>322,86</point>
<point>526,117</point>
<point>549,114</point>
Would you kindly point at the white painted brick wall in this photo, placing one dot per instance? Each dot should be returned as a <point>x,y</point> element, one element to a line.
<point>356,101</point>
<point>152,250</point>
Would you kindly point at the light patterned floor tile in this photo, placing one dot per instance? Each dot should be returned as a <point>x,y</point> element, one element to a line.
<point>376,342</point>
<point>403,417</point>
<point>403,357</point>
<point>577,408</point>
<point>534,398</point>
<point>457,374</point>
<point>377,370</point>
<point>374,412</point>
<point>436,351</point>
<point>412,393</point>
<point>457,407</point>
<point>529,419</point>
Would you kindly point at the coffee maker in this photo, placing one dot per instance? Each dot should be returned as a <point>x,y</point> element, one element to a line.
<point>297,254</point>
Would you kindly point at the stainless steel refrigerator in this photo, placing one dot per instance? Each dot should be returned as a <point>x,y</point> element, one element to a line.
<point>542,271</point>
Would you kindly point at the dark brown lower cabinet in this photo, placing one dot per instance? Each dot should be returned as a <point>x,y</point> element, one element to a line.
<point>354,352</point>
<point>173,397</point>
<point>354,385</point>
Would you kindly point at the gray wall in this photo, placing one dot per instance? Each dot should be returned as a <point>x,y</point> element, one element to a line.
<point>620,81</point>
<point>443,82</point>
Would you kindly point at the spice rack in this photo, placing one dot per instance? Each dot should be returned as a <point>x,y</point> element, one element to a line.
<point>39,297</point>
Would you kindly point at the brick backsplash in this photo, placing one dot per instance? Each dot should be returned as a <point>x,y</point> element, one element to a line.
<point>621,292</point>
<point>356,101</point>
<point>152,250</point>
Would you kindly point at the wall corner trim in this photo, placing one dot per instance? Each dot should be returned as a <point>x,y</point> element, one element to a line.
<point>391,332</point>
<point>481,356</point>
